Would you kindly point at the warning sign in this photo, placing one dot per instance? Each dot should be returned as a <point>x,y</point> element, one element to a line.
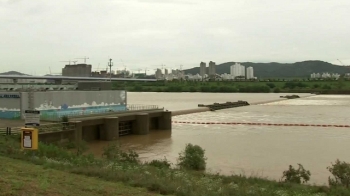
<point>27,141</point>
<point>29,138</point>
<point>32,118</point>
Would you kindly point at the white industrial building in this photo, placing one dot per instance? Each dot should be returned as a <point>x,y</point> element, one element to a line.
<point>196,77</point>
<point>226,76</point>
<point>324,76</point>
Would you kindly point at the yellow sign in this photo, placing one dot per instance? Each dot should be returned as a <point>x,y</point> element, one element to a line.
<point>29,138</point>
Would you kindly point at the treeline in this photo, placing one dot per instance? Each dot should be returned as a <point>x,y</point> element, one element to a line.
<point>323,87</point>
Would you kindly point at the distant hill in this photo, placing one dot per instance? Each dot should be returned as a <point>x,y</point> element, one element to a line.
<point>274,70</point>
<point>12,73</point>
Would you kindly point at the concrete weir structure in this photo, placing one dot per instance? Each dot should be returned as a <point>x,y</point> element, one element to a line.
<point>93,112</point>
<point>111,127</point>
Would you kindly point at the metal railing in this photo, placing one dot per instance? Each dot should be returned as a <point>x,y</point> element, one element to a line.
<point>141,107</point>
<point>57,116</point>
<point>10,131</point>
<point>44,128</point>
<point>55,127</point>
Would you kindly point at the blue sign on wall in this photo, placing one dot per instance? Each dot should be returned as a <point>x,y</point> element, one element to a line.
<point>9,96</point>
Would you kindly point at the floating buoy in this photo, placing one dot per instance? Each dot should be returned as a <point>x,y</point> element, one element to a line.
<point>252,123</point>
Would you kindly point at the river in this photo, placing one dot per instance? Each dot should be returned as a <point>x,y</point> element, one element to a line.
<point>263,151</point>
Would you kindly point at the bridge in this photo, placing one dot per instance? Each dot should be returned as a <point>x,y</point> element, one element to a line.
<point>59,79</point>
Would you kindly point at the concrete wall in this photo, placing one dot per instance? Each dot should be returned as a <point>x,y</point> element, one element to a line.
<point>95,85</point>
<point>10,105</point>
<point>60,136</point>
<point>77,102</point>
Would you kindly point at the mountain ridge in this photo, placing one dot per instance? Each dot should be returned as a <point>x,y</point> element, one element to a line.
<point>275,69</point>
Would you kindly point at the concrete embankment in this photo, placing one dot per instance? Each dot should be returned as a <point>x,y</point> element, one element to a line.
<point>189,111</point>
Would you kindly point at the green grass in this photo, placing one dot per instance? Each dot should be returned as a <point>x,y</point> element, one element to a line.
<point>59,171</point>
<point>22,178</point>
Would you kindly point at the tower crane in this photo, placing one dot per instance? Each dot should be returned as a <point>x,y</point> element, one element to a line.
<point>83,58</point>
<point>146,71</point>
<point>341,62</point>
<point>67,61</point>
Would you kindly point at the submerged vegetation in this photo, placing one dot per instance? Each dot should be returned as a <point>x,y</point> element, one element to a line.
<point>186,178</point>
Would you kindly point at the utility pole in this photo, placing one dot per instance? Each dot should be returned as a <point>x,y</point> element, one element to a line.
<point>110,64</point>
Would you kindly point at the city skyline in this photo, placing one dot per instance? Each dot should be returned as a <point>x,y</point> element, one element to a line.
<point>37,35</point>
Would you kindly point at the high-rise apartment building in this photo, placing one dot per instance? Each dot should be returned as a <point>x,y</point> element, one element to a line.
<point>237,70</point>
<point>202,69</point>
<point>212,68</point>
<point>158,74</point>
<point>250,73</point>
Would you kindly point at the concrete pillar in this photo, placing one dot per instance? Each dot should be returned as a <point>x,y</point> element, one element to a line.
<point>110,129</point>
<point>141,125</point>
<point>164,122</point>
<point>78,131</point>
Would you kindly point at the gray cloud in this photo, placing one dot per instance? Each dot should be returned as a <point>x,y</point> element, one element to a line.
<point>36,35</point>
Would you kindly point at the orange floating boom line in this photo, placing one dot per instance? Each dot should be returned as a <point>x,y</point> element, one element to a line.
<point>259,124</point>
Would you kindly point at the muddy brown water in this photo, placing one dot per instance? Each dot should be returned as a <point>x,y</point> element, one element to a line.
<point>264,151</point>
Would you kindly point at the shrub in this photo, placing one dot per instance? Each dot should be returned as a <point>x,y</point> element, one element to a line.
<point>81,147</point>
<point>271,85</point>
<point>160,163</point>
<point>64,119</point>
<point>192,158</point>
<point>193,89</point>
<point>298,176</point>
<point>114,153</point>
<point>341,174</point>
<point>276,90</point>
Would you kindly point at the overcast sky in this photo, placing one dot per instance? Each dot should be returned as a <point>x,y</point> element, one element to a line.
<point>140,34</point>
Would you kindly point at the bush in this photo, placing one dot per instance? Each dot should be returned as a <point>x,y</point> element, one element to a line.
<point>64,119</point>
<point>81,147</point>
<point>271,85</point>
<point>298,176</point>
<point>341,174</point>
<point>160,163</point>
<point>114,153</point>
<point>192,158</point>
<point>276,90</point>
<point>193,89</point>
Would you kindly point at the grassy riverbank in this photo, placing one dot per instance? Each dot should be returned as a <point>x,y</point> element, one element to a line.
<point>23,178</point>
<point>324,87</point>
<point>55,170</point>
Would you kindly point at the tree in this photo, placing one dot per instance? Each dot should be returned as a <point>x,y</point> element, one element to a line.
<point>298,176</point>
<point>192,158</point>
